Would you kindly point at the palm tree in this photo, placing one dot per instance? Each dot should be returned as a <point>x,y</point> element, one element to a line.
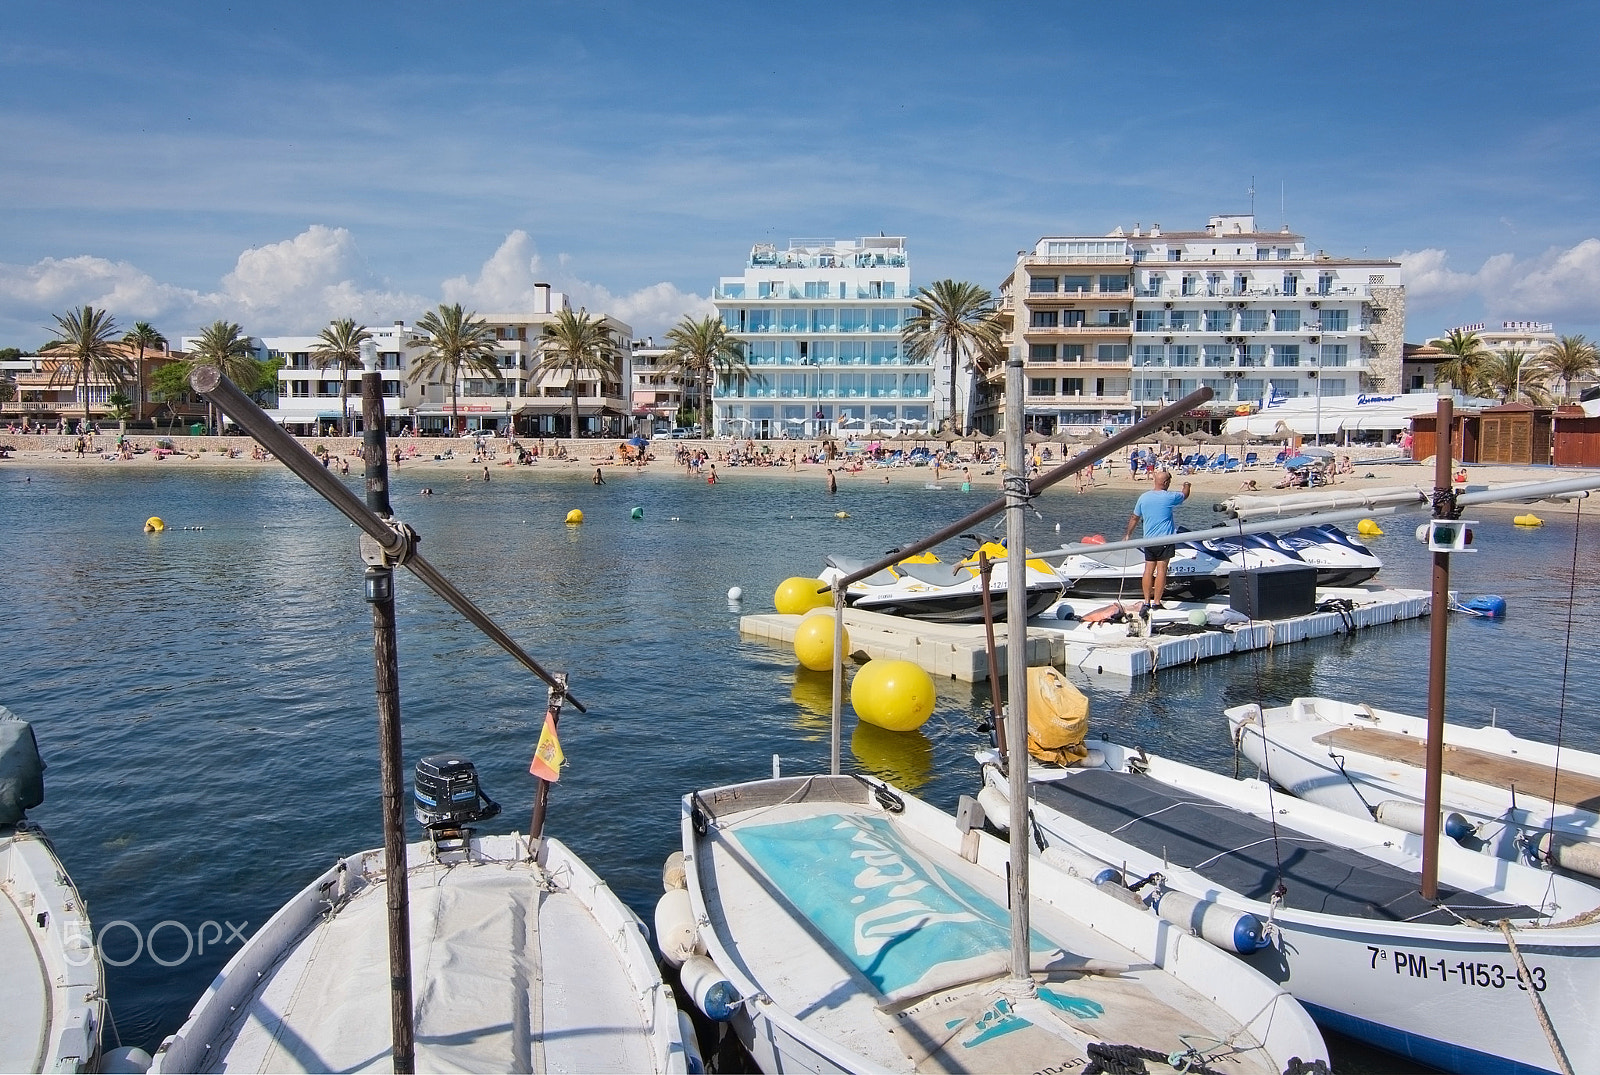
<point>142,337</point>
<point>340,345</point>
<point>1468,358</point>
<point>456,341</point>
<point>702,350</point>
<point>1511,374</point>
<point>956,317</point>
<point>576,341</point>
<point>1568,360</point>
<point>86,344</point>
<point>224,345</point>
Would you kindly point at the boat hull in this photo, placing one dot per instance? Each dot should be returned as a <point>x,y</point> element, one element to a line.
<point>825,976</point>
<point>516,965</point>
<point>1446,994</point>
<point>957,607</point>
<point>1350,757</point>
<point>56,1013</point>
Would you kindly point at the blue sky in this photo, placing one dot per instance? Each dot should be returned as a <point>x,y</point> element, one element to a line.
<point>280,163</point>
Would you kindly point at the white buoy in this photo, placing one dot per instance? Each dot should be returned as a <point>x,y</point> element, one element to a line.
<point>1230,930</point>
<point>692,1059</point>
<point>734,593</point>
<point>996,807</point>
<point>674,874</point>
<point>676,936</point>
<point>709,988</point>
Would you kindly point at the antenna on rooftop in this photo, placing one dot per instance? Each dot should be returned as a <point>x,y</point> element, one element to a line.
<point>1252,193</point>
<point>1283,211</point>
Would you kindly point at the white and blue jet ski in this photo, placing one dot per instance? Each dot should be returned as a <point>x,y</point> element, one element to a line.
<point>1341,559</point>
<point>925,588</point>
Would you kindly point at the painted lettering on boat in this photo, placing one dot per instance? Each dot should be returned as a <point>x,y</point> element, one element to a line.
<point>1480,975</point>
<point>894,914</point>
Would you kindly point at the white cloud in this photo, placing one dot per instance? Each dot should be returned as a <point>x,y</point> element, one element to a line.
<point>1560,285</point>
<point>505,283</point>
<point>298,285</point>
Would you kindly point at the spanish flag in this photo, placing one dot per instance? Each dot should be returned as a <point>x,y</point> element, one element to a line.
<point>547,756</point>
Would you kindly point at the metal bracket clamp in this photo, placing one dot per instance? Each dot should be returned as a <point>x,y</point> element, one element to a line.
<point>375,555</point>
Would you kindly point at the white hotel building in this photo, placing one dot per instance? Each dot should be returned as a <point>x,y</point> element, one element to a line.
<point>533,404</point>
<point>821,321</point>
<point>1114,326</point>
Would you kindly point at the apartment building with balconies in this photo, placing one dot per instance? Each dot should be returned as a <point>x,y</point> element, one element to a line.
<point>1068,305</point>
<point>820,321</point>
<point>528,402</point>
<point>1254,315</point>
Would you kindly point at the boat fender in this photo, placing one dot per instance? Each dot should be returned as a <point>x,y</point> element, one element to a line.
<point>126,1060</point>
<point>709,988</point>
<point>996,809</point>
<point>693,1061</point>
<point>1230,930</point>
<point>1096,873</point>
<point>674,874</point>
<point>1569,853</point>
<point>1407,817</point>
<point>676,936</point>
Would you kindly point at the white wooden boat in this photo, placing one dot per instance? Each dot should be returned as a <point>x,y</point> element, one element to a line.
<point>863,931</point>
<point>1336,899</point>
<point>1364,761</point>
<point>53,1014</point>
<point>518,966</point>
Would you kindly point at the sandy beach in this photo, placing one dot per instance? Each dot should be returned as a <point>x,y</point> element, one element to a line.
<point>457,460</point>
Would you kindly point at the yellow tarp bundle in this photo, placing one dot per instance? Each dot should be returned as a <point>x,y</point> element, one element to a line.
<point>1058,718</point>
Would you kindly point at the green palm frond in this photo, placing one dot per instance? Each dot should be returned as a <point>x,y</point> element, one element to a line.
<point>340,345</point>
<point>704,350</point>
<point>1568,360</point>
<point>457,341</point>
<point>86,346</point>
<point>958,318</point>
<point>574,342</point>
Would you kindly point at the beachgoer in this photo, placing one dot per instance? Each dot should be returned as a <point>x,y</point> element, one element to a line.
<point>599,479</point>
<point>711,479</point>
<point>397,457</point>
<point>833,483</point>
<point>485,473</point>
<point>1249,485</point>
<point>1154,509</point>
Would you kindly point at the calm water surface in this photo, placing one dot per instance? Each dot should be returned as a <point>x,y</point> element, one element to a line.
<point>204,697</point>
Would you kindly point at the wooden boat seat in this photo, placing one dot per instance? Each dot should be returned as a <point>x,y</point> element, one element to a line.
<point>1497,770</point>
<point>1249,855</point>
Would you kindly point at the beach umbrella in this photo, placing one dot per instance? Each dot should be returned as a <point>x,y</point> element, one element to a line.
<point>1317,453</point>
<point>1296,461</point>
<point>1033,436</point>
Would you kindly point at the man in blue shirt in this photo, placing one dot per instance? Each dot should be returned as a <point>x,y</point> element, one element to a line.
<point>1155,510</point>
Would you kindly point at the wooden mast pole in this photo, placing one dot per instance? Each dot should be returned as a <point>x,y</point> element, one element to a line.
<point>386,665</point>
<point>1438,638</point>
<point>1016,725</point>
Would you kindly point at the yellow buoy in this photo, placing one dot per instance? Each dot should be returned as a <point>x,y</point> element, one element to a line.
<point>1369,528</point>
<point>154,525</point>
<point>841,515</point>
<point>797,596</point>
<point>896,695</point>
<point>1528,520</point>
<point>575,516</point>
<point>813,641</point>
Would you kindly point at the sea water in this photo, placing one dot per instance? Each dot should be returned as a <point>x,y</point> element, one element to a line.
<point>204,696</point>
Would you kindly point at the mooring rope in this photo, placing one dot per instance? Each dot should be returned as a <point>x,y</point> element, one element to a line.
<point>1538,1002</point>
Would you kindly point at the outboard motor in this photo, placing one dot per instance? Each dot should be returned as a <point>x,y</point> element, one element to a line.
<point>447,793</point>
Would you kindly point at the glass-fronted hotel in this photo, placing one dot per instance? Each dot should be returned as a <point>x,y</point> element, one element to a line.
<point>821,322</point>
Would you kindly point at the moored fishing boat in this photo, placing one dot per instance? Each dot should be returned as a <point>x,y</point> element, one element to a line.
<point>862,930</point>
<point>1329,906</point>
<point>1521,800</point>
<point>53,1014</point>
<point>524,962</point>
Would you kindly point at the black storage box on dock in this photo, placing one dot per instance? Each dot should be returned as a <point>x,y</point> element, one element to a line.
<point>1273,593</point>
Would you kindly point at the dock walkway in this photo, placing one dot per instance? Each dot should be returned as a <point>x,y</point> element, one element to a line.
<point>956,651</point>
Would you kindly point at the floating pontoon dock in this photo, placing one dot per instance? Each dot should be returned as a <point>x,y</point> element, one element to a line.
<point>956,651</point>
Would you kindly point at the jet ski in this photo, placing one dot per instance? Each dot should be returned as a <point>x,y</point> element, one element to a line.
<point>1193,573</point>
<point>1250,551</point>
<point>1340,558</point>
<point>927,588</point>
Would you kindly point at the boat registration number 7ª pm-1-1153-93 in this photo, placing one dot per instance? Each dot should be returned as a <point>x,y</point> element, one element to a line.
<point>1482,975</point>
